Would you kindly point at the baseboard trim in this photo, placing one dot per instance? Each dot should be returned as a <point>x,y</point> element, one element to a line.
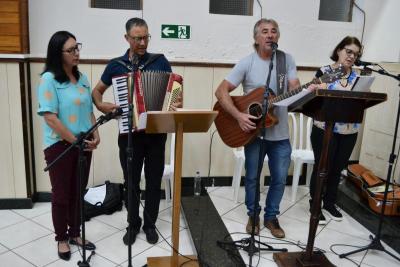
<point>27,203</point>
<point>15,203</point>
<point>227,181</point>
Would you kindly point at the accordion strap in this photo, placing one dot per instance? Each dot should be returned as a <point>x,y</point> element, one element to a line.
<point>152,58</point>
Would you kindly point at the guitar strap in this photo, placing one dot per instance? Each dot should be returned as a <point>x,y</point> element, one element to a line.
<point>281,72</point>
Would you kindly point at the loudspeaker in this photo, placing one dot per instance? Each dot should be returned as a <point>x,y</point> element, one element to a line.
<point>336,10</point>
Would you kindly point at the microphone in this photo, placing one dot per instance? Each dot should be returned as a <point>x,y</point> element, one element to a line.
<point>364,63</point>
<point>274,46</point>
<point>113,114</point>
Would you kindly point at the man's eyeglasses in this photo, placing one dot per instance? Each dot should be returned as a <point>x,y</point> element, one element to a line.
<point>350,52</point>
<point>138,39</point>
<point>74,50</point>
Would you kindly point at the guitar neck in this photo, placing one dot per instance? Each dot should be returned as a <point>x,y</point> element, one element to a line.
<point>291,92</point>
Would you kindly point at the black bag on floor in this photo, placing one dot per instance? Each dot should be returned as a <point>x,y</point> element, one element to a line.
<point>112,202</point>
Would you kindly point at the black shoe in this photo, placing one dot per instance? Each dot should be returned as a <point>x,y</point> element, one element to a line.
<point>151,235</point>
<point>332,211</point>
<point>63,255</point>
<point>133,236</point>
<point>88,246</point>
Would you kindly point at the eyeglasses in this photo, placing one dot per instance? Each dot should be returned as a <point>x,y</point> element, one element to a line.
<point>350,52</point>
<point>138,39</point>
<point>74,50</point>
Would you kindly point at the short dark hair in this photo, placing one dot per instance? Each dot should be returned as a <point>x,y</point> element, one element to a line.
<point>348,40</point>
<point>54,61</point>
<point>135,22</point>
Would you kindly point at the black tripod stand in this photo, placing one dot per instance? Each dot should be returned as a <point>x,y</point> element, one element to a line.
<point>129,153</point>
<point>376,241</point>
<point>249,244</point>
<point>80,143</point>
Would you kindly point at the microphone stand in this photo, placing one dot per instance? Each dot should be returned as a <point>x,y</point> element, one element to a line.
<point>249,244</point>
<point>81,172</point>
<point>129,152</point>
<point>376,241</point>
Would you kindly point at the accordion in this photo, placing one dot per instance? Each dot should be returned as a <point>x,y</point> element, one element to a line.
<point>153,91</point>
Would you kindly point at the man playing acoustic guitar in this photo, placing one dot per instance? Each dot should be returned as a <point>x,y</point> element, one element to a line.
<point>252,72</point>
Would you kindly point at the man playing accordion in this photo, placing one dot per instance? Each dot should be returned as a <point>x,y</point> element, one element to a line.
<point>148,149</point>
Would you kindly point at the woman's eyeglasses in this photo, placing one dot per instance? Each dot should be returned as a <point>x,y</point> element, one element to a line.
<point>350,52</point>
<point>74,50</point>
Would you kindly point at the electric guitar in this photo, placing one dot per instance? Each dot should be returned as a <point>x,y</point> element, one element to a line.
<point>228,127</point>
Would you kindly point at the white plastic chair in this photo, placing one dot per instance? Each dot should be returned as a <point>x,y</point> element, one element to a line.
<point>238,153</point>
<point>301,154</point>
<point>168,175</point>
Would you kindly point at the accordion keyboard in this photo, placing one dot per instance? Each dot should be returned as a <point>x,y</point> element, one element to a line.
<point>120,85</point>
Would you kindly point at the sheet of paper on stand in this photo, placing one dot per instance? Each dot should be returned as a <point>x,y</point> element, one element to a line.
<point>287,101</point>
<point>363,83</point>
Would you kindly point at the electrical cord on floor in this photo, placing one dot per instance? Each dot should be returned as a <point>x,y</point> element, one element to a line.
<point>232,253</point>
<point>298,244</point>
<point>345,245</point>
<point>158,231</point>
<point>199,254</point>
<point>209,157</point>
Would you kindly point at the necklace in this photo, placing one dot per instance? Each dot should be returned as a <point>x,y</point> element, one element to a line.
<point>344,81</point>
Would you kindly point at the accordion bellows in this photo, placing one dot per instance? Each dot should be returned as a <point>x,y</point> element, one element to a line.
<point>152,91</point>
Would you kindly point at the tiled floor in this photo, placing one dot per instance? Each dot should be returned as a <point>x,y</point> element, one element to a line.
<point>26,237</point>
<point>294,220</point>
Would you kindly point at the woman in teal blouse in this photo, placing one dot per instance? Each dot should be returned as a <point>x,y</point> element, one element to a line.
<point>65,103</point>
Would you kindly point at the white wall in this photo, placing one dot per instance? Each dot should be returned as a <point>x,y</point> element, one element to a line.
<point>217,38</point>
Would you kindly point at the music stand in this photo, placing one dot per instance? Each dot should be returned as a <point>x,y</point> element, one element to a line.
<point>330,106</point>
<point>179,122</point>
<point>376,241</point>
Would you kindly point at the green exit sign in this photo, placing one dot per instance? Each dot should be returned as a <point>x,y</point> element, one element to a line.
<point>172,31</point>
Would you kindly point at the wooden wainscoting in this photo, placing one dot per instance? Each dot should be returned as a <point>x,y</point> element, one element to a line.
<point>14,37</point>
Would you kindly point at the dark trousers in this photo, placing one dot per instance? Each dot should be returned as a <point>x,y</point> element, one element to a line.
<point>148,149</point>
<point>340,149</point>
<point>65,191</point>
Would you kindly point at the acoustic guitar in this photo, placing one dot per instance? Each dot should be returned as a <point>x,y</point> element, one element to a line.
<point>228,127</point>
<point>372,188</point>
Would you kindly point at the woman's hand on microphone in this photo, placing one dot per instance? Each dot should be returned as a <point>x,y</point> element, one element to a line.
<point>91,145</point>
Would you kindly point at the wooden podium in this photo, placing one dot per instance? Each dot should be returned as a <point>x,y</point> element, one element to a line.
<point>330,106</point>
<point>179,122</point>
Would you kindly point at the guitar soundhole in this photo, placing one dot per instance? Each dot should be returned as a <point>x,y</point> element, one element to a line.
<point>255,109</point>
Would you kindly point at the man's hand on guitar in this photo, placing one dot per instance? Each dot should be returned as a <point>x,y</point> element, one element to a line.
<point>245,122</point>
<point>106,107</point>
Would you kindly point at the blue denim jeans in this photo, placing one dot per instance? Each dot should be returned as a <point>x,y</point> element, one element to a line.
<point>279,160</point>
